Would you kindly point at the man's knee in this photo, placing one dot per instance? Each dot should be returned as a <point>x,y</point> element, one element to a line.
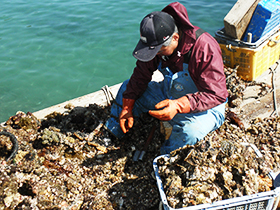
<point>178,140</point>
<point>189,133</point>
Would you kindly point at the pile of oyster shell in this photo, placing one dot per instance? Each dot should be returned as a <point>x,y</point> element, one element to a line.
<point>224,165</point>
<point>69,161</point>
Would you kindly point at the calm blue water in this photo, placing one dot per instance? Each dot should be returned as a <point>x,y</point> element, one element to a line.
<point>56,50</point>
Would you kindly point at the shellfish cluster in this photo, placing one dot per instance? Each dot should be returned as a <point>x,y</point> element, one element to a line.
<point>223,165</point>
<point>70,161</point>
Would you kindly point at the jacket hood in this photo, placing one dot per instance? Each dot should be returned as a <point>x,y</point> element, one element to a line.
<point>180,15</point>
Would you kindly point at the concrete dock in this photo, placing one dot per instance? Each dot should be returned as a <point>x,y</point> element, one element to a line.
<point>251,107</point>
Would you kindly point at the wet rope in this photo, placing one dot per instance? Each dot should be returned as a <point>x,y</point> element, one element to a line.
<point>108,93</point>
<point>14,141</point>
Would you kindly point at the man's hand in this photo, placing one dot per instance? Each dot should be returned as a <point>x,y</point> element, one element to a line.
<point>126,116</point>
<point>169,111</point>
<point>170,108</point>
<point>126,120</point>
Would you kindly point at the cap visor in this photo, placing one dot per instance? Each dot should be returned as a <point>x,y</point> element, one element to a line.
<point>144,53</point>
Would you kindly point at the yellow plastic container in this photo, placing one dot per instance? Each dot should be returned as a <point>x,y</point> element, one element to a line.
<point>252,62</point>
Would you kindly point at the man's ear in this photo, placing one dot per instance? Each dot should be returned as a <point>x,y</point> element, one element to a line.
<point>176,37</point>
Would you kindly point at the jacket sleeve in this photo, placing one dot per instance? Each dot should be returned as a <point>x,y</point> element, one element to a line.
<point>140,78</point>
<point>207,70</point>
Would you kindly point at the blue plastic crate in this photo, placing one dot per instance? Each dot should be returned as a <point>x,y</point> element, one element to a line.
<point>265,18</point>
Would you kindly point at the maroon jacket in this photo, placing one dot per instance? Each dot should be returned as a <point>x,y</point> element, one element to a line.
<point>205,66</point>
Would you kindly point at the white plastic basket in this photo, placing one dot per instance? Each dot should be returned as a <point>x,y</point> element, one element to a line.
<point>259,201</point>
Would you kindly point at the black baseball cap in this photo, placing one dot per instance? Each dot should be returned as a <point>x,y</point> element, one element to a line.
<point>155,29</point>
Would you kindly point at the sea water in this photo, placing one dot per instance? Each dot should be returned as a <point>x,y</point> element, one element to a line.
<point>52,51</point>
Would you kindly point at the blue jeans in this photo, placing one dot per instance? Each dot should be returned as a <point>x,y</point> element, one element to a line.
<point>186,128</point>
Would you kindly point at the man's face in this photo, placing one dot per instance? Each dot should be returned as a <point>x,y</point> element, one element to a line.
<point>168,50</point>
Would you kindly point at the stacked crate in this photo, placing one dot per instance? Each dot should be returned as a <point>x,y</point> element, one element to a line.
<point>263,50</point>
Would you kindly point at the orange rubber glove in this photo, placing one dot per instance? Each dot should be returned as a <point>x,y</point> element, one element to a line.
<point>126,117</point>
<point>171,108</point>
